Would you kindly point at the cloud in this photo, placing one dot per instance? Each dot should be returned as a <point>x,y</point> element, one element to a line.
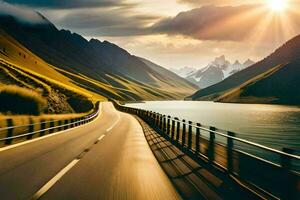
<point>233,23</point>
<point>104,22</point>
<point>21,13</point>
<point>65,4</point>
<point>218,2</point>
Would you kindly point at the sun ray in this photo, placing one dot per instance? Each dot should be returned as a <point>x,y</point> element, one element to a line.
<point>277,5</point>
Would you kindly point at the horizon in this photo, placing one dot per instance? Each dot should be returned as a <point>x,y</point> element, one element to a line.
<point>160,32</point>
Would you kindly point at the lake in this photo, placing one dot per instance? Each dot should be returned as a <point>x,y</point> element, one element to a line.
<point>274,126</point>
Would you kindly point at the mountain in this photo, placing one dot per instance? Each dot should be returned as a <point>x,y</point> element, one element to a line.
<point>216,71</point>
<point>184,71</point>
<point>169,77</point>
<point>101,61</point>
<point>22,68</point>
<point>279,85</point>
<point>207,76</point>
<point>248,63</point>
<point>287,55</point>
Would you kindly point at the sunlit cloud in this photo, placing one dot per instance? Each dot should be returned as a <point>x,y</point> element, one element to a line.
<point>178,33</point>
<point>235,23</point>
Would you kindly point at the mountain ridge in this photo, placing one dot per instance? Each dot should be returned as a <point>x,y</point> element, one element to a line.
<point>287,53</point>
<point>93,58</point>
<point>216,71</point>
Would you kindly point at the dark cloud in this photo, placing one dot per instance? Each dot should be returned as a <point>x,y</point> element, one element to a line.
<point>106,22</point>
<point>213,23</point>
<point>65,4</point>
<point>21,13</point>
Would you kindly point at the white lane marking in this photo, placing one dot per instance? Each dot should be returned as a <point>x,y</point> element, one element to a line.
<point>58,176</point>
<point>101,137</point>
<point>114,124</point>
<point>47,136</point>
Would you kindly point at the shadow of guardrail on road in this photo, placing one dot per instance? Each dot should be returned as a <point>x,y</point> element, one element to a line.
<point>263,170</point>
<point>192,179</point>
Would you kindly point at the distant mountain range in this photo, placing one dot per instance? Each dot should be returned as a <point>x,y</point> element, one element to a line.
<point>274,79</point>
<point>214,72</point>
<point>101,61</point>
<point>184,71</point>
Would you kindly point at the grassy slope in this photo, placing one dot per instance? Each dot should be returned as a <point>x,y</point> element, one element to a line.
<point>36,66</point>
<point>95,59</point>
<point>91,88</point>
<point>278,85</point>
<point>171,81</point>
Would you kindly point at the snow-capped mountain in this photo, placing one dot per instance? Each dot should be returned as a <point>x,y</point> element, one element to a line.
<point>184,71</point>
<point>216,71</point>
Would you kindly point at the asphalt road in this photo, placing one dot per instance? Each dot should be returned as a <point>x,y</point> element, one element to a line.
<point>108,158</point>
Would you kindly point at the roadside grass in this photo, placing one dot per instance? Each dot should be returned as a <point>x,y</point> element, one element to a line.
<point>32,65</point>
<point>17,100</point>
<point>23,120</point>
<point>19,120</point>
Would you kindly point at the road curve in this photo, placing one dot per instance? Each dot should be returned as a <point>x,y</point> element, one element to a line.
<point>108,158</point>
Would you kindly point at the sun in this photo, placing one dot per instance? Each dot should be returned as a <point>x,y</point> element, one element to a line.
<point>277,5</point>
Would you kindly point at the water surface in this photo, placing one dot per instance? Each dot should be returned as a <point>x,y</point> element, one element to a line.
<point>275,126</point>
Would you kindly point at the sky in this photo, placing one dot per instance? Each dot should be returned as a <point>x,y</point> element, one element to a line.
<point>178,33</point>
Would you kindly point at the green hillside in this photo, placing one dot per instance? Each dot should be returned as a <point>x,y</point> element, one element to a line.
<point>279,85</point>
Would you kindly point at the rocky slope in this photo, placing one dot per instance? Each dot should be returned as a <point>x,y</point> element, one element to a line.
<point>216,71</point>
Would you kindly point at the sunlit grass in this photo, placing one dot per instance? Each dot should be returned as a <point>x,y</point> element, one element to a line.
<point>17,100</point>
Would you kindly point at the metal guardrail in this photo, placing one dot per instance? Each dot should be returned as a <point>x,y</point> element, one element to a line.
<point>269,171</point>
<point>62,125</point>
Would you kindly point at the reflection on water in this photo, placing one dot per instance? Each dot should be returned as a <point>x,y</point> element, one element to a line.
<point>271,125</point>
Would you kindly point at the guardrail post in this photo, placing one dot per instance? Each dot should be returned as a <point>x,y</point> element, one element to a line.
<point>30,129</point>
<point>230,152</point>
<point>9,123</point>
<point>147,117</point>
<point>152,118</point>
<point>190,135</point>
<point>42,127</point>
<point>211,148</point>
<point>66,122</point>
<point>183,133</point>
<point>286,161</point>
<point>198,138</point>
<point>155,119</point>
<point>59,125</point>
<point>178,130</point>
<point>288,186</point>
<point>168,125</point>
<point>165,124</point>
<point>51,125</point>
<point>72,123</point>
<point>173,129</point>
<point>160,122</point>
